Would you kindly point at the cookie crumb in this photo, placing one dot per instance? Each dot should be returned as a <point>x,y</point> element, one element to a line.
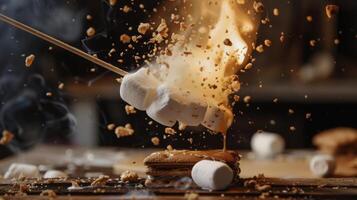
<point>6,138</point>
<point>155,141</point>
<point>90,32</point>
<point>170,131</point>
<point>124,38</point>
<point>129,176</point>
<point>100,181</point>
<point>143,28</point>
<point>124,131</point>
<point>29,60</point>
<point>331,10</point>
<point>129,109</point>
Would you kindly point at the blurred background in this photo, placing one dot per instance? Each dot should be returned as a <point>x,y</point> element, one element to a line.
<point>298,87</point>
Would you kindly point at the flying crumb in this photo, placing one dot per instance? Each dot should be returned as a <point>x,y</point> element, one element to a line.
<point>236,98</point>
<point>112,2</point>
<point>291,111</point>
<point>247,99</point>
<point>6,138</point>
<point>111,127</point>
<point>29,60</point>
<point>49,94</point>
<point>89,17</point>
<point>155,141</point>
<point>336,41</point>
<point>309,18</point>
<point>129,176</point>
<point>126,9</point>
<point>275,100</point>
<point>292,128</point>
<point>124,38</point>
<point>182,126</point>
<point>276,12</point>
<point>170,131</point>
<point>143,28</point>
<point>100,181</point>
<point>169,147</point>
<point>331,10</point>
<point>60,86</point>
<point>282,37</point>
<point>260,49</point>
<point>90,32</point>
<point>312,43</point>
<point>258,7</point>
<point>192,196</point>
<point>248,66</point>
<point>267,43</point>
<point>129,109</point>
<point>308,115</point>
<point>124,131</point>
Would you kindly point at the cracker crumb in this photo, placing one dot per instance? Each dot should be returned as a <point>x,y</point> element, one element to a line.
<point>276,12</point>
<point>291,111</point>
<point>227,42</point>
<point>124,131</point>
<point>112,2</point>
<point>260,49</point>
<point>170,131</point>
<point>292,128</point>
<point>309,18</point>
<point>111,126</point>
<point>89,17</point>
<point>49,94</point>
<point>124,38</point>
<point>331,10</point>
<point>100,181</point>
<point>29,60</point>
<point>129,109</point>
<point>6,138</point>
<point>247,99</point>
<point>155,141</point>
<point>258,7</point>
<point>267,43</point>
<point>126,9</point>
<point>169,147</point>
<point>143,28</point>
<point>129,176</point>
<point>336,41</point>
<point>312,43</point>
<point>50,193</point>
<point>248,66</point>
<point>60,86</point>
<point>192,196</point>
<point>308,115</point>
<point>90,32</point>
<point>182,126</point>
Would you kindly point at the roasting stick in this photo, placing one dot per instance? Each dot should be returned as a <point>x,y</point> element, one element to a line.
<point>61,44</point>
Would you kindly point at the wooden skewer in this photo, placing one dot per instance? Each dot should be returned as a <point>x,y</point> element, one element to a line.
<point>61,44</point>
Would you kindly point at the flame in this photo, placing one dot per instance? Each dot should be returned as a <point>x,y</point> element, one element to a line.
<point>216,46</point>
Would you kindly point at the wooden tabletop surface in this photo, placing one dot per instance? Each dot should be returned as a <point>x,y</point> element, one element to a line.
<point>286,171</point>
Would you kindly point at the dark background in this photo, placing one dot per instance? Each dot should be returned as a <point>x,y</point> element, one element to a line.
<point>79,114</point>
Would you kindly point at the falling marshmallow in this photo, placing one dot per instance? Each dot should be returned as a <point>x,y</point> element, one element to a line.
<point>55,174</point>
<point>267,145</point>
<point>212,175</point>
<point>322,165</point>
<point>217,118</point>
<point>17,170</point>
<point>139,88</point>
<point>172,105</point>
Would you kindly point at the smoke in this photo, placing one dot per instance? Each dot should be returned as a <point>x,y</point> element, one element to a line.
<point>29,113</point>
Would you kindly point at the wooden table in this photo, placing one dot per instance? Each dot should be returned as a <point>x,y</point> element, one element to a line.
<point>289,175</point>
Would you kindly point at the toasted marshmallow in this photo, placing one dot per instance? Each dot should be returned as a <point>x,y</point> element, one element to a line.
<point>55,174</point>
<point>217,118</point>
<point>322,165</point>
<point>139,88</point>
<point>267,145</point>
<point>212,175</point>
<point>17,170</point>
<point>173,105</point>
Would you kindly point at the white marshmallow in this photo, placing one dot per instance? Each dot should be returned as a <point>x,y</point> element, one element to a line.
<point>322,165</point>
<point>217,118</point>
<point>172,105</point>
<point>55,174</point>
<point>267,145</point>
<point>212,175</point>
<point>139,88</point>
<point>17,170</point>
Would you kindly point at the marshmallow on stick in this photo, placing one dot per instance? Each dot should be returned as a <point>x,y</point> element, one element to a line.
<point>139,88</point>
<point>17,170</point>
<point>172,105</point>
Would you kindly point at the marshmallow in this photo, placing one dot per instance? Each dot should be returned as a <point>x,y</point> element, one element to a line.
<point>322,165</point>
<point>173,105</point>
<point>212,175</point>
<point>267,145</point>
<point>217,118</point>
<point>17,170</point>
<point>139,88</point>
<point>55,174</point>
